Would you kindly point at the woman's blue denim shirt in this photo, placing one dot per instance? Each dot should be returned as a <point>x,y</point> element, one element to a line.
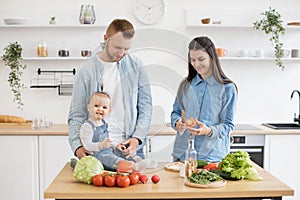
<point>213,104</point>
<point>137,97</point>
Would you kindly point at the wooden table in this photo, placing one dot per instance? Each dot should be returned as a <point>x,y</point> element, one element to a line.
<point>171,186</point>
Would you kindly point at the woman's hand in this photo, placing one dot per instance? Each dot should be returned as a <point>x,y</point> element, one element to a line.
<point>202,130</point>
<point>180,126</point>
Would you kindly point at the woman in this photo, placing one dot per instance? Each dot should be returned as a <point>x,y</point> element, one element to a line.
<point>207,95</point>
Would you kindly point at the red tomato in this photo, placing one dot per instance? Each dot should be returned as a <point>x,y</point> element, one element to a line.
<point>211,166</point>
<point>143,178</point>
<point>109,180</point>
<point>134,178</point>
<point>137,172</point>
<point>97,180</point>
<point>123,181</point>
<point>155,178</point>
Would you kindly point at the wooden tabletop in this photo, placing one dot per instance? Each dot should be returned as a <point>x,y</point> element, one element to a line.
<point>165,129</point>
<point>171,186</point>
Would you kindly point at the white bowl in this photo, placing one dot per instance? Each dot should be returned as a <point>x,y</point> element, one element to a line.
<point>14,21</point>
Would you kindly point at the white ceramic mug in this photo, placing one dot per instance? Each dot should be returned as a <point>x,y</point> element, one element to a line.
<point>295,53</point>
<point>259,53</point>
<point>243,53</point>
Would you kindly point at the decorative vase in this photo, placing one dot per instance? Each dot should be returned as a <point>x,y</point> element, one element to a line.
<point>87,14</point>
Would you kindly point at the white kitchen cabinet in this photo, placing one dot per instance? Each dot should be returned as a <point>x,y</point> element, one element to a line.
<point>159,147</point>
<point>282,160</point>
<point>54,153</point>
<point>19,168</point>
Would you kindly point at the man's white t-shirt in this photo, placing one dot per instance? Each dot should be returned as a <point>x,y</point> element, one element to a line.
<point>112,85</point>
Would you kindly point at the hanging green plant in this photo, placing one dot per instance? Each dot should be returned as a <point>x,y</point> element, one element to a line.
<point>12,58</point>
<point>271,23</point>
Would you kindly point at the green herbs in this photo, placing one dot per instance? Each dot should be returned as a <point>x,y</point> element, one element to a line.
<point>204,177</point>
<point>239,166</point>
<point>271,23</point>
<point>12,58</point>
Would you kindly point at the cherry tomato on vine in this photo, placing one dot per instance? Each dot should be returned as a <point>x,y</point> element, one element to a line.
<point>134,178</point>
<point>109,180</point>
<point>97,180</point>
<point>123,181</point>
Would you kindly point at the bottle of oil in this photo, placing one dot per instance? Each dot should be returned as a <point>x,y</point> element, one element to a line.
<point>190,158</point>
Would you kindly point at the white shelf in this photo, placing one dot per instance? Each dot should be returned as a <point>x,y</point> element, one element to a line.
<point>221,26</point>
<point>257,59</point>
<point>80,26</point>
<point>234,18</point>
<point>53,58</point>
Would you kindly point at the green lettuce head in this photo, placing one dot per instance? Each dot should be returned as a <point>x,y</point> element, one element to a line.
<point>86,168</point>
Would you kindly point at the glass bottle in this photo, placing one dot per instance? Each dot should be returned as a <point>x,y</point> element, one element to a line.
<point>190,159</point>
<point>87,14</point>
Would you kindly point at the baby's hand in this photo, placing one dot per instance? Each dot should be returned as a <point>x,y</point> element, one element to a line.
<point>106,143</point>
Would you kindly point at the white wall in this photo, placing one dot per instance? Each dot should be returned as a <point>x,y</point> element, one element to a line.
<point>264,90</point>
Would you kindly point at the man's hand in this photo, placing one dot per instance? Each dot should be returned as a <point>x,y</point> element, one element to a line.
<point>81,152</point>
<point>132,145</point>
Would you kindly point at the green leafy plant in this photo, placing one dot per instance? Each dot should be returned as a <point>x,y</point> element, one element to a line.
<point>12,58</point>
<point>271,23</point>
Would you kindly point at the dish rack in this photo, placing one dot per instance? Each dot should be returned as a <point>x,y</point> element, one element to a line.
<point>60,79</point>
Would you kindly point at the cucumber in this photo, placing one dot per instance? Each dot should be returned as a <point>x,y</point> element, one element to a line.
<point>73,162</point>
<point>201,163</point>
<point>224,175</point>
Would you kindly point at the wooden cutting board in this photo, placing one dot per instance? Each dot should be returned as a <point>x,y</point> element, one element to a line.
<point>174,166</point>
<point>215,184</point>
<point>16,125</point>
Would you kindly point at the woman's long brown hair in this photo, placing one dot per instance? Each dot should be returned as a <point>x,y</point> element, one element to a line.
<point>204,44</point>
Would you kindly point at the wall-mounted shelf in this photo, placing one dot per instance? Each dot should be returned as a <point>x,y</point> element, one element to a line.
<point>80,26</point>
<point>257,58</point>
<point>220,26</point>
<point>54,58</point>
<point>233,18</point>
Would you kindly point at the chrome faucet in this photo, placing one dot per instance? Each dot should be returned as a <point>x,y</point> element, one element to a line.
<point>295,118</point>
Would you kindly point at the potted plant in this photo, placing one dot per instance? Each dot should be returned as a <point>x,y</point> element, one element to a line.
<point>12,58</point>
<point>271,23</point>
<point>52,20</point>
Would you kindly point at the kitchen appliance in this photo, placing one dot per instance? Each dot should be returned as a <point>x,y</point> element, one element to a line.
<point>251,143</point>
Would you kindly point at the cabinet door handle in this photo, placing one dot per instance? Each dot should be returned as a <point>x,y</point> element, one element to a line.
<point>149,145</point>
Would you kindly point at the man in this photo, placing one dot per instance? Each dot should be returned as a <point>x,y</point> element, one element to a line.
<point>124,78</point>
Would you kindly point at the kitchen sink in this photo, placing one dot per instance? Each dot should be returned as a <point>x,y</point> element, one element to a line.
<point>282,125</point>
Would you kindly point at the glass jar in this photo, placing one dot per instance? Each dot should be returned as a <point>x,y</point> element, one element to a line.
<point>42,49</point>
<point>87,14</point>
<point>190,161</point>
